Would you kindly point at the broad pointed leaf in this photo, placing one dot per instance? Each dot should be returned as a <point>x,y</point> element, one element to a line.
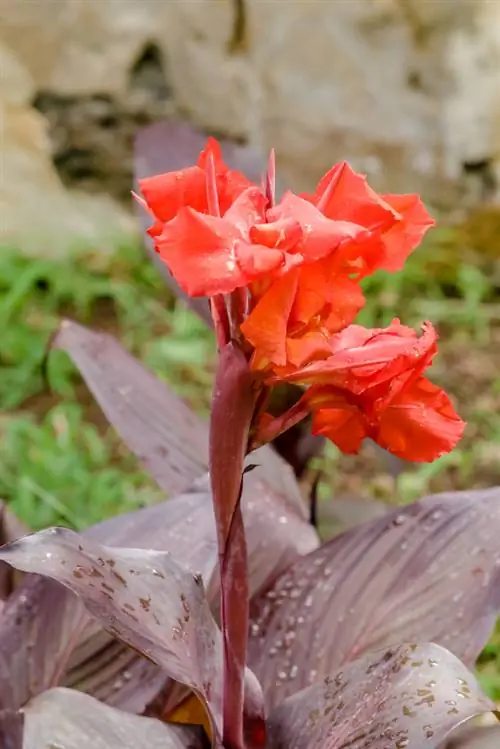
<point>155,424</point>
<point>39,627</point>
<point>407,697</point>
<point>168,438</point>
<point>430,571</point>
<point>99,664</point>
<point>63,638</point>
<point>146,598</point>
<point>66,719</point>
<point>67,647</point>
<point>343,513</point>
<point>11,729</point>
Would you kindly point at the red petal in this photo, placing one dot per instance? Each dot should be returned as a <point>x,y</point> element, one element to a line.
<point>341,422</point>
<point>285,234</point>
<point>307,348</point>
<point>209,255</point>
<point>212,147</point>
<point>398,222</point>
<point>362,359</point>
<point>203,254</point>
<point>321,292</point>
<point>230,184</point>
<point>362,256</point>
<point>352,199</point>
<point>248,209</point>
<point>407,234</point>
<point>320,235</point>
<point>200,253</point>
<point>166,194</point>
<point>266,327</point>
<point>421,425</point>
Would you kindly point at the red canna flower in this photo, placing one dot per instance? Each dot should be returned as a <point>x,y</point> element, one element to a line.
<point>228,247</point>
<point>300,260</point>
<point>284,279</point>
<point>293,320</point>
<point>372,386</point>
<point>417,423</point>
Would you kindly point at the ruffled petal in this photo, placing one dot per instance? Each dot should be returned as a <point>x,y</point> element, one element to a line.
<point>362,359</point>
<point>405,235</point>
<point>266,326</point>
<point>230,183</point>
<point>166,194</point>
<point>338,419</point>
<point>320,235</point>
<point>285,234</point>
<point>421,424</point>
<point>336,299</point>
<point>343,194</point>
<point>247,209</point>
<point>207,255</point>
<point>308,347</point>
<point>396,223</point>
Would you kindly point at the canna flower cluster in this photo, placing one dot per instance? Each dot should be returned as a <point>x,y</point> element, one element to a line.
<point>284,281</point>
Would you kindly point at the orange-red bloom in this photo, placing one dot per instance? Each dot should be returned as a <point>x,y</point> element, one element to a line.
<point>417,423</point>
<point>286,281</point>
<point>301,260</point>
<point>372,386</point>
<point>294,319</point>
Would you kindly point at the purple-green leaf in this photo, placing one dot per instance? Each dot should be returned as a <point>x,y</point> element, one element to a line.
<point>155,424</point>
<point>11,729</point>
<point>405,697</point>
<point>476,738</point>
<point>66,646</point>
<point>66,719</point>
<point>167,437</point>
<point>39,626</point>
<point>150,418</point>
<point>149,600</point>
<point>429,571</point>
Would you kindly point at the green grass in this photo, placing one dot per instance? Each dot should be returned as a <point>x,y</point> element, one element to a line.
<point>61,464</point>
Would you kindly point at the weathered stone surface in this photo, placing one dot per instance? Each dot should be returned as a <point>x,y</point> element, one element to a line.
<point>37,212</point>
<point>406,90</point>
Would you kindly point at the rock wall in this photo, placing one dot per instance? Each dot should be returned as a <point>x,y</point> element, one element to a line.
<point>407,90</point>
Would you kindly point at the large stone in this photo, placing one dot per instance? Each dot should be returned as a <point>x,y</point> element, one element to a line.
<point>37,213</point>
<point>405,90</point>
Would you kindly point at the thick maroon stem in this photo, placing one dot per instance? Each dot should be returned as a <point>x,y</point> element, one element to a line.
<point>234,400</point>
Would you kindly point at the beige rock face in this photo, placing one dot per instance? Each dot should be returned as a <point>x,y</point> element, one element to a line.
<point>405,90</point>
